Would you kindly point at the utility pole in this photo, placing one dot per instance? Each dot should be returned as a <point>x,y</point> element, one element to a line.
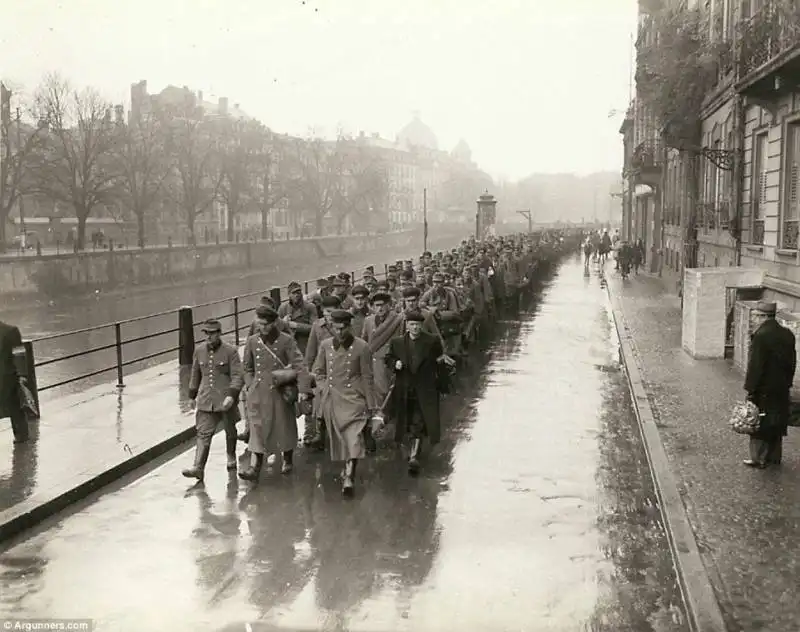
<point>21,197</point>
<point>527,214</point>
<point>425,220</point>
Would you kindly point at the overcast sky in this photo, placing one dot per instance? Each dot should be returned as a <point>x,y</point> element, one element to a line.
<point>529,84</point>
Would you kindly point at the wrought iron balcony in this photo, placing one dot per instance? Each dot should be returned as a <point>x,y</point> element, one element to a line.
<point>758,232</point>
<point>647,162</point>
<point>790,233</point>
<point>769,50</point>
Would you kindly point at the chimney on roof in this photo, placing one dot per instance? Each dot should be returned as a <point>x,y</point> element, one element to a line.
<point>223,105</point>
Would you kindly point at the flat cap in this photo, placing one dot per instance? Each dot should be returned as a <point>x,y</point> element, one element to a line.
<point>331,301</point>
<point>294,286</point>
<point>767,307</point>
<point>211,325</point>
<point>414,316</point>
<point>411,292</point>
<point>266,312</point>
<point>383,297</point>
<point>359,290</point>
<point>341,316</point>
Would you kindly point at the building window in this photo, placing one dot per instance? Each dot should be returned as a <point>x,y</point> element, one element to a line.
<point>791,207</point>
<point>758,187</point>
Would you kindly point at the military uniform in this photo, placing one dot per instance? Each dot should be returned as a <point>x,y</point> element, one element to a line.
<point>216,375</point>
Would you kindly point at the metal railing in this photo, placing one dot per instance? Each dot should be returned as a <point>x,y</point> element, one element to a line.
<point>186,319</point>
<point>772,30</point>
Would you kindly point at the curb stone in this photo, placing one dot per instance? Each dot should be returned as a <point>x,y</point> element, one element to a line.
<point>38,508</point>
<point>702,607</point>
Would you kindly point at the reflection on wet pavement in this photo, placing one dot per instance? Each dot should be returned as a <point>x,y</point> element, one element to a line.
<point>537,512</point>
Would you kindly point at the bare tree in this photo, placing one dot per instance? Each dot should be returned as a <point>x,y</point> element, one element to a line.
<point>243,147</point>
<point>194,143</point>
<point>142,165</point>
<point>317,178</point>
<point>75,165</point>
<point>364,186</point>
<point>273,179</point>
<point>19,142</point>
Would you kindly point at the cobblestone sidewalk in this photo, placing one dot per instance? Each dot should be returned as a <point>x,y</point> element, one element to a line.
<point>747,522</point>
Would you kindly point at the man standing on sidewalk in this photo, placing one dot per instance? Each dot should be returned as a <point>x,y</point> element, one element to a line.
<point>215,382</point>
<point>10,405</point>
<point>770,371</point>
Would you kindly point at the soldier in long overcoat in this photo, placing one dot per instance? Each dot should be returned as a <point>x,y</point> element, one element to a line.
<point>770,372</point>
<point>347,400</point>
<point>271,418</point>
<point>417,360</point>
<point>215,382</point>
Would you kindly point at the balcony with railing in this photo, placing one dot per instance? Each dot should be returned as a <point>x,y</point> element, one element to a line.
<point>769,50</point>
<point>647,162</point>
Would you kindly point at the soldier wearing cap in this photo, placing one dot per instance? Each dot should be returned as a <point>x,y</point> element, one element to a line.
<point>267,302</point>
<point>214,386</point>
<point>273,365</point>
<point>341,289</point>
<point>379,328</point>
<point>323,289</point>
<point>770,373</point>
<point>410,303</point>
<point>298,315</point>
<point>343,371</point>
<point>360,309</point>
<point>321,330</point>
<point>371,283</point>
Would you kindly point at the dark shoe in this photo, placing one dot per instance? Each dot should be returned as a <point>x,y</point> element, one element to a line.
<point>231,465</point>
<point>244,436</point>
<point>254,470</point>
<point>287,465</point>
<point>755,464</point>
<point>193,472</point>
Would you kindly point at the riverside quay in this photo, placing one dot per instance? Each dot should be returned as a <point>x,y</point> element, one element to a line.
<point>439,443</point>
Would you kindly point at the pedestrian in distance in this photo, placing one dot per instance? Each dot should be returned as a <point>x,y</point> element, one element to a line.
<point>214,386</point>
<point>770,372</point>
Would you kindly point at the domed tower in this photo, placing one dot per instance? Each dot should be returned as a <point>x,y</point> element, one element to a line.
<point>462,153</point>
<point>417,134</point>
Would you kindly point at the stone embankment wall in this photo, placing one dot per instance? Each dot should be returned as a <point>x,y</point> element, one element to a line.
<point>57,275</point>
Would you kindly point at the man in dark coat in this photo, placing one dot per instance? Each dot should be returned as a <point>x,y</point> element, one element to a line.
<point>770,371</point>
<point>416,359</point>
<point>10,405</point>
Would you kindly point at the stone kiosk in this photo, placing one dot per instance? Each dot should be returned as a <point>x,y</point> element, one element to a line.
<point>705,309</point>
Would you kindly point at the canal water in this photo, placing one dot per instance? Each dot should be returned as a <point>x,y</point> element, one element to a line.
<point>48,318</point>
<point>536,512</point>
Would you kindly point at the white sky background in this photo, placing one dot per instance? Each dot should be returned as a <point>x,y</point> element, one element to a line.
<point>527,83</point>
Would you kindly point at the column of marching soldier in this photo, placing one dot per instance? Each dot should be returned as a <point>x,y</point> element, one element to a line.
<point>350,356</point>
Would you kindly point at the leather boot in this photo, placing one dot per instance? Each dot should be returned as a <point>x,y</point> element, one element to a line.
<point>318,440</point>
<point>287,465</point>
<point>230,447</point>
<point>413,458</point>
<point>254,470</point>
<point>369,441</point>
<point>200,459</point>
<point>348,488</point>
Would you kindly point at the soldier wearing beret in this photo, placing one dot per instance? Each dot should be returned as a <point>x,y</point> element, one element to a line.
<point>343,371</point>
<point>214,386</point>
<point>273,366</point>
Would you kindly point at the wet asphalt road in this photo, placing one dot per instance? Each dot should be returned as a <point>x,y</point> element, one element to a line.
<point>537,512</point>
